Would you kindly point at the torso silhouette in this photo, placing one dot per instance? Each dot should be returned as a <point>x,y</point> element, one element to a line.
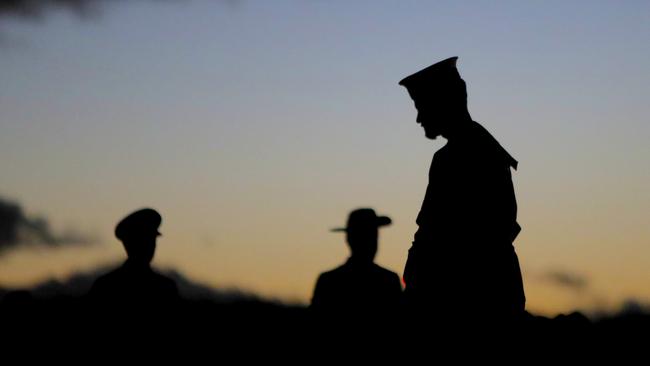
<point>355,288</point>
<point>134,286</point>
<point>462,260</point>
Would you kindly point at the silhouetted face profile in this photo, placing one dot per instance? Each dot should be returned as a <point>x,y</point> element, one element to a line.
<point>437,114</point>
<point>362,233</point>
<point>440,98</point>
<point>138,232</point>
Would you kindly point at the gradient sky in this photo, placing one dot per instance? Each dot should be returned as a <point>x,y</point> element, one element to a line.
<point>255,126</point>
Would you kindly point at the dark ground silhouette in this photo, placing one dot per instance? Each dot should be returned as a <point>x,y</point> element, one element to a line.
<point>59,314</point>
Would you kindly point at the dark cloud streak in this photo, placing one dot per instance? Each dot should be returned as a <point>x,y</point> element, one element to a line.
<point>36,9</point>
<point>18,229</point>
<point>567,280</point>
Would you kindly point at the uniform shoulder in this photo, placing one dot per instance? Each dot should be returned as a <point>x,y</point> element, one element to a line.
<point>111,276</point>
<point>107,283</point>
<point>488,148</point>
<point>333,273</point>
<point>164,281</point>
<point>385,272</point>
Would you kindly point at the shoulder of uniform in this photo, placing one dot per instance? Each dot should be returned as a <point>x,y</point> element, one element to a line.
<point>334,272</point>
<point>385,272</point>
<point>163,278</point>
<point>488,148</point>
<point>112,275</point>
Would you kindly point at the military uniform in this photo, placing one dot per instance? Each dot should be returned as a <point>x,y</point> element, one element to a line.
<point>462,258</point>
<point>357,287</point>
<point>462,261</point>
<point>135,285</point>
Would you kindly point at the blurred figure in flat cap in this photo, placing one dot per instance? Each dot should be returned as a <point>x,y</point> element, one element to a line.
<point>359,288</point>
<point>462,264</point>
<point>135,285</point>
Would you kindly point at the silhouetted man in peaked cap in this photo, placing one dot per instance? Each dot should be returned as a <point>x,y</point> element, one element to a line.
<point>135,285</point>
<point>462,264</point>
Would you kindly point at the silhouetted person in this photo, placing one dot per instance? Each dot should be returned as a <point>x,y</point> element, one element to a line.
<point>462,264</point>
<point>135,285</point>
<point>359,287</point>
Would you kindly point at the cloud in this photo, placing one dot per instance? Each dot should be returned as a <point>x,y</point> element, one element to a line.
<point>17,229</point>
<point>568,280</point>
<point>36,9</point>
<point>633,306</point>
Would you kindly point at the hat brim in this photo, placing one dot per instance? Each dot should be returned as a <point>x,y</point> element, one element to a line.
<point>383,221</point>
<point>338,229</point>
<point>380,221</point>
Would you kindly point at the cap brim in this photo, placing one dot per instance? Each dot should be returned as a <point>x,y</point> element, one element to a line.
<point>383,221</point>
<point>339,229</point>
<point>430,73</point>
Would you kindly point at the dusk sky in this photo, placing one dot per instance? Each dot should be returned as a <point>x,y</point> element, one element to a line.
<point>254,127</point>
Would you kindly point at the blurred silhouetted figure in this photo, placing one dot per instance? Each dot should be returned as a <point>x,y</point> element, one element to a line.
<point>359,287</point>
<point>135,285</point>
<point>462,264</point>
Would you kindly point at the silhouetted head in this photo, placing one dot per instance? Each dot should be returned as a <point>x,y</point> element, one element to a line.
<point>138,232</point>
<point>440,97</point>
<point>362,233</point>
